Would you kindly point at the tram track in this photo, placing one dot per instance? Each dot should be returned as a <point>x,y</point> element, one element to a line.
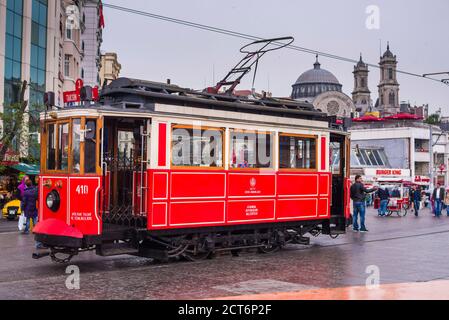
<point>384,239</point>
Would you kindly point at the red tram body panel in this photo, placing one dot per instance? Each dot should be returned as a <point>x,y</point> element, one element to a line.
<point>184,199</point>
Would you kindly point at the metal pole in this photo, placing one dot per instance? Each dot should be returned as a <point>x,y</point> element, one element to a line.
<point>431,175</point>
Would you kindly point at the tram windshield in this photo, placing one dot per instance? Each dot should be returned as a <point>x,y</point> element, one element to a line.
<point>71,146</point>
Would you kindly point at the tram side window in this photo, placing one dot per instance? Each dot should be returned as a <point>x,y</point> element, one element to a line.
<point>51,147</point>
<point>250,149</point>
<point>76,146</point>
<point>193,147</point>
<point>90,147</point>
<point>297,152</point>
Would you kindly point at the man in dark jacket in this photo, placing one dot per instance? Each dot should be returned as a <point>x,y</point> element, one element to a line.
<point>417,199</point>
<point>29,208</point>
<point>384,196</point>
<point>438,195</point>
<point>358,194</point>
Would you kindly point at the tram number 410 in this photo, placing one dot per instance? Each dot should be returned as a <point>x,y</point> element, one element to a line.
<point>82,189</point>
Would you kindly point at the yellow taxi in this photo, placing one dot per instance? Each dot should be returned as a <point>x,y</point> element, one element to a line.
<point>12,210</point>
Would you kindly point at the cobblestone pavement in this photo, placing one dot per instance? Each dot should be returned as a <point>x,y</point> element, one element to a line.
<point>406,250</point>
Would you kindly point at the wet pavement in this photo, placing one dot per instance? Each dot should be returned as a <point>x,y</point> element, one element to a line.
<point>8,226</point>
<point>405,250</point>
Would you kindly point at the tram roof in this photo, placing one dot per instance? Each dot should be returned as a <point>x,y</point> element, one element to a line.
<point>140,95</point>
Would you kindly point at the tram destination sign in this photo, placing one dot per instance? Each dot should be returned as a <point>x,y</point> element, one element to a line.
<point>74,96</point>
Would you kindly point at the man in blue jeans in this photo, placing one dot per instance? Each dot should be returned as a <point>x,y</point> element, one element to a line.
<point>438,195</point>
<point>384,197</point>
<point>358,195</point>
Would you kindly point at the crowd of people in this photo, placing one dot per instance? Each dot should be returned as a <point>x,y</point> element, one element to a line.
<point>27,193</point>
<point>437,200</point>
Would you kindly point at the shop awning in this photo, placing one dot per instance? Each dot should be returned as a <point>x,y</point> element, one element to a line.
<point>30,169</point>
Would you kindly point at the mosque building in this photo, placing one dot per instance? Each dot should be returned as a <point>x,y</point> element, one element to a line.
<point>322,88</point>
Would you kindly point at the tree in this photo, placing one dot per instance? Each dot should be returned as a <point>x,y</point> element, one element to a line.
<point>13,129</point>
<point>433,119</point>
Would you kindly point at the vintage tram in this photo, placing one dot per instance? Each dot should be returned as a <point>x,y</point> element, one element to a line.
<point>159,171</point>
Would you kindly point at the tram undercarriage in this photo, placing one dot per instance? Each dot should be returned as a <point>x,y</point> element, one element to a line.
<point>183,245</point>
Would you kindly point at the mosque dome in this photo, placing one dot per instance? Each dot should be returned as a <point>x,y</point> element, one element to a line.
<point>314,82</point>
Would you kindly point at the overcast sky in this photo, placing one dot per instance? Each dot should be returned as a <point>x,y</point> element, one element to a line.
<point>150,49</point>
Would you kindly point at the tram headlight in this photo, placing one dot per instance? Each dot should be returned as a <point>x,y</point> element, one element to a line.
<point>53,201</point>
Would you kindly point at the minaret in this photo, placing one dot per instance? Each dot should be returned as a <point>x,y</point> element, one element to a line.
<point>388,86</point>
<point>361,95</point>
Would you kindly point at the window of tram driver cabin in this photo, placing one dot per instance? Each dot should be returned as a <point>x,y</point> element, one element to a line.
<point>90,146</point>
<point>58,146</point>
<point>297,152</point>
<point>197,147</point>
<point>250,149</point>
<point>76,146</point>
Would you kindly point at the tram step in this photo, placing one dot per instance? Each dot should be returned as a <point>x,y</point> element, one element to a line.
<point>116,249</point>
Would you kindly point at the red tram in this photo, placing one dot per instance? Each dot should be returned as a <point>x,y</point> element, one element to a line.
<point>160,171</point>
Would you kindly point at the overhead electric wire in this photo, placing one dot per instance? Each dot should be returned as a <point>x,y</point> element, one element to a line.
<point>249,37</point>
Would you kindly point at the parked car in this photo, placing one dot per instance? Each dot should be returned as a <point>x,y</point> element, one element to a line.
<point>12,210</point>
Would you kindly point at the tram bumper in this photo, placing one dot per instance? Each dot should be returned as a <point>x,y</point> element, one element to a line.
<point>56,233</point>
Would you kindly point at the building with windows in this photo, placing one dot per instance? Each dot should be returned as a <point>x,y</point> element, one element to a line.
<point>401,145</point>
<point>92,38</point>
<point>110,68</point>
<point>43,42</point>
<point>361,94</point>
<point>27,53</point>
<point>388,102</point>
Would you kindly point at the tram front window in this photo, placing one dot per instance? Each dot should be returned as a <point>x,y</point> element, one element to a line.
<point>63,147</point>
<point>70,146</point>
<point>90,146</point>
<point>51,147</point>
<point>76,146</point>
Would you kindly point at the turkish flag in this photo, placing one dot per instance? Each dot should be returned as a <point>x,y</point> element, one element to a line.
<point>101,16</point>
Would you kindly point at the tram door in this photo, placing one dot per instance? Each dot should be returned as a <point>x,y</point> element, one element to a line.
<point>340,170</point>
<point>125,154</point>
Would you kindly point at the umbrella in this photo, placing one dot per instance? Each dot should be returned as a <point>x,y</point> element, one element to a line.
<point>368,119</point>
<point>404,116</point>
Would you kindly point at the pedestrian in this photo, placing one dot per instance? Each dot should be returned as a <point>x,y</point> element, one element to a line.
<point>358,196</point>
<point>446,202</point>
<point>28,204</point>
<point>384,196</point>
<point>368,200</point>
<point>438,196</point>
<point>21,188</point>
<point>417,195</point>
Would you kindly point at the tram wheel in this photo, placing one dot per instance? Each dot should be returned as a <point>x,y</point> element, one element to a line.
<point>199,256</point>
<point>268,248</point>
